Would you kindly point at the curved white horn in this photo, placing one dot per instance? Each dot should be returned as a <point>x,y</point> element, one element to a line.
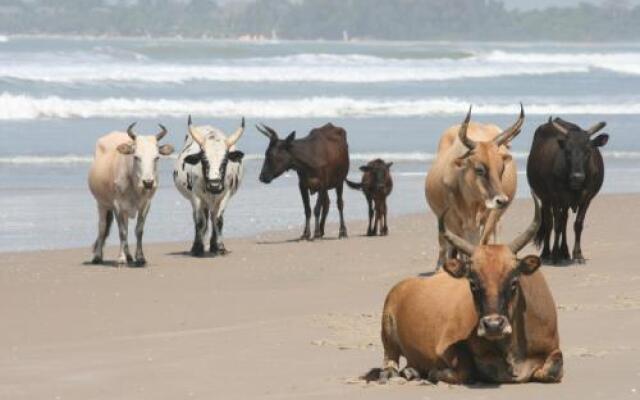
<point>194,134</point>
<point>233,139</point>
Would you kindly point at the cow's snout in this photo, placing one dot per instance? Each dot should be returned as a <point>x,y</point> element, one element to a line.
<point>215,186</point>
<point>494,327</point>
<point>264,178</point>
<point>499,201</point>
<point>148,183</point>
<point>577,179</point>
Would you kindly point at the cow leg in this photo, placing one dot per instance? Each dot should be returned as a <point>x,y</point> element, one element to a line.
<point>577,228</point>
<point>304,192</point>
<point>340,201</point>
<point>142,217</point>
<point>557,228</point>
<point>217,243</point>
<point>377,221</point>
<point>326,203</point>
<point>552,369</point>
<point>316,214</point>
<point>384,231</point>
<point>105,218</point>
<point>455,367</point>
<point>371,213</point>
<point>564,246</point>
<point>547,227</point>
<point>123,229</point>
<point>200,223</point>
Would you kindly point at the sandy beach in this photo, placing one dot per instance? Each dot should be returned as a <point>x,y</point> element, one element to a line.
<point>281,319</point>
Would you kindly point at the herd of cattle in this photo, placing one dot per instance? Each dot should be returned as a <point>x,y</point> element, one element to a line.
<point>489,316</point>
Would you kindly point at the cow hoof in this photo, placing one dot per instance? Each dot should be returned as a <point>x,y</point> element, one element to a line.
<point>197,250</point>
<point>121,262</point>
<point>220,251</point>
<point>141,262</point>
<point>387,374</point>
<point>129,258</point>
<point>579,260</point>
<point>342,235</point>
<point>384,232</point>
<point>371,233</point>
<point>96,260</point>
<point>410,374</point>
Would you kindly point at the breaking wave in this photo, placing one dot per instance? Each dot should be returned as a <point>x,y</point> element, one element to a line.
<point>16,107</point>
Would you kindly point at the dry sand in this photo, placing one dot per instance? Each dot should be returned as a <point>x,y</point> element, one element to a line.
<point>277,319</point>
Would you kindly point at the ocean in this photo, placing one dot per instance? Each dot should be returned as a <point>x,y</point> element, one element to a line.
<point>58,95</point>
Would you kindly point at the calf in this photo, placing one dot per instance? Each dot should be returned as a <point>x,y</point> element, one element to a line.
<point>376,184</point>
<point>123,179</point>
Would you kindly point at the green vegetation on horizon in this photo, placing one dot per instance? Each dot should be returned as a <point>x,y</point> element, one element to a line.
<point>322,19</point>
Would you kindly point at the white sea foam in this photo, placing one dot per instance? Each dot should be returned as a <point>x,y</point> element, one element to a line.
<point>397,157</point>
<point>14,106</point>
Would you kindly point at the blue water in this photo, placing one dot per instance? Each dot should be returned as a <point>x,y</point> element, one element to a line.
<point>57,96</point>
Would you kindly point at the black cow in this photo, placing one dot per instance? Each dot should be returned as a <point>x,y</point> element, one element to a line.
<point>321,161</point>
<point>376,184</point>
<point>565,170</point>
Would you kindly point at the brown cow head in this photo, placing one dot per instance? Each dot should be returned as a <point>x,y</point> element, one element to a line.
<point>493,272</point>
<point>277,158</point>
<point>376,173</point>
<point>483,163</point>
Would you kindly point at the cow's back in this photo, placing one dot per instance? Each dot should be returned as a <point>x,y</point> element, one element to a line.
<point>107,159</point>
<point>330,143</point>
<point>428,315</point>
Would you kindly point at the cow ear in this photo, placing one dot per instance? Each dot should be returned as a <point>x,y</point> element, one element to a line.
<point>236,155</point>
<point>165,149</point>
<point>389,164</point>
<point>600,140</point>
<point>126,148</point>
<point>365,168</point>
<point>193,159</point>
<point>456,268</point>
<point>529,265</point>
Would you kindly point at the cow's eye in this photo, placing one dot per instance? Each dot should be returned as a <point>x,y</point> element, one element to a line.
<point>480,171</point>
<point>514,285</point>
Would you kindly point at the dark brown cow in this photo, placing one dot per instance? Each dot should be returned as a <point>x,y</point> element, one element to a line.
<point>321,161</point>
<point>376,184</point>
<point>490,319</point>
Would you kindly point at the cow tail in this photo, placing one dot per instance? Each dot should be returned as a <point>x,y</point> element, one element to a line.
<point>353,185</point>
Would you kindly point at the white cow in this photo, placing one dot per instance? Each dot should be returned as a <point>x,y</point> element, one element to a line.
<point>208,172</point>
<point>123,179</point>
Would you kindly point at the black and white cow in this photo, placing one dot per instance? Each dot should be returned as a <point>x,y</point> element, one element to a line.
<point>208,172</point>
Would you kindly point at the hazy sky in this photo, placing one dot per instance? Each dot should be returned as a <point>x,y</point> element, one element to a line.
<point>528,4</point>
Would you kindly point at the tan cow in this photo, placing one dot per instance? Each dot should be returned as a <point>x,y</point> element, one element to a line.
<point>488,319</point>
<point>123,179</point>
<point>474,177</point>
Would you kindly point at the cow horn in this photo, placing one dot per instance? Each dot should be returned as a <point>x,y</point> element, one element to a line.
<point>130,132</point>
<point>268,132</point>
<point>462,133</point>
<point>596,128</point>
<point>455,240</point>
<point>162,133</point>
<point>560,128</point>
<point>519,242</point>
<point>194,134</point>
<point>508,135</point>
<point>231,140</point>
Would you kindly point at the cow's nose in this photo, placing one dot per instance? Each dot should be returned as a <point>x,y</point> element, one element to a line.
<point>578,176</point>
<point>495,326</point>
<point>148,183</point>
<point>502,201</point>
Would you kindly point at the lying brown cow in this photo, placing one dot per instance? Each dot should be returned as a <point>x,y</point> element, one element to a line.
<point>492,319</point>
<point>376,184</point>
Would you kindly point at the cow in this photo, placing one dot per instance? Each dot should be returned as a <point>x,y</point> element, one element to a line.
<point>376,184</point>
<point>321,160</point>
<point>475,177</point>
<point>491,318</point>
<point>123,179</point>
<point>565,170</point>
<point>208,172</point>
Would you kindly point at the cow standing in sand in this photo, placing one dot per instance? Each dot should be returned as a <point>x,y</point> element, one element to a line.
<point>208,173</point>
<point>321,161</point>
<point>123,179</point>
<point>565,169</point>
<point>491,318</point>
<point>474,177</point>
<point>376,185</point>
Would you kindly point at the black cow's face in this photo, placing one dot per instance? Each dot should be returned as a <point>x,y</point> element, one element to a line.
<point>578,149</point>
<point>378,171</point>
<point>494,281</point>
<point>277,158</point>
